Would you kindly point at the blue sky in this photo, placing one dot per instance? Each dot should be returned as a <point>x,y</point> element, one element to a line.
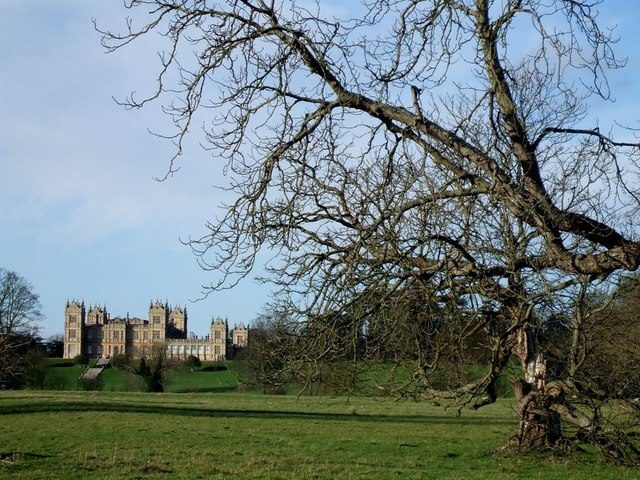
<point>80,213</point>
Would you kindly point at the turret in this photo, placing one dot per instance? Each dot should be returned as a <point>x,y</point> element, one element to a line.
<point>219,334</point>
<point>158,314</point>
<point>240,336</point>
<point>178,320</point>
<point>97,315</point>
<point>74,319</point>
<point>159,320</point>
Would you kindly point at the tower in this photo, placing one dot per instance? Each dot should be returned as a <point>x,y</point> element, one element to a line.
<point>219,333</point>
<point>97,315</point>
<point>158,320</point>
<point>240,336</point>
<point>178,320</point>
<point>74,319</point>
<point>158,314</point>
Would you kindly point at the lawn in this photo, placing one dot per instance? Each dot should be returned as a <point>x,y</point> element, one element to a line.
<point>106,435</point>
<point>209,377</point>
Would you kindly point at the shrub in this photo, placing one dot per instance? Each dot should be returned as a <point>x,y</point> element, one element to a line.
<point>121,361</point>
<point>153,374</point>
<point>157,379</point>
<point>192,362</point>
<point>214,368</point>
<point>35,372</point>
<point>55,380</point>
<point>90,384</point>
<point>143,368</point>
<point>81,359</point>
<point>134,383</point>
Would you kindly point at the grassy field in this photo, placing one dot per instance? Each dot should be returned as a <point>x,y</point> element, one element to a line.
<point>106,435</point>
<point>217,377</point>
<point>210,377</point>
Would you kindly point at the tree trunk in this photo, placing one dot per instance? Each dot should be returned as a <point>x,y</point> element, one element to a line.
<point>540,426</point>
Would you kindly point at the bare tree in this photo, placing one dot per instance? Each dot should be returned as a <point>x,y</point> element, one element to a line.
<point>270,350</point>
<point>54,345</point>
<point>10,366</point>
<point>20,309</point>
<point>20,312</point>
<point>416,146</point>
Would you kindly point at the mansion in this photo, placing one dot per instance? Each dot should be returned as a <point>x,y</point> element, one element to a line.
<point>94,333</point>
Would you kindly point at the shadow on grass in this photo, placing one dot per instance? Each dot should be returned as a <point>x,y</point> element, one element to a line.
<point>62,365</point>
<point>213,368</point>
<point>225,389</point>
<point>41,407</point>
<point>10,455</point>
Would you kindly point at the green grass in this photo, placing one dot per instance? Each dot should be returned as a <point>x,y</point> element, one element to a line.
<point>210,377</point>
<point>105,435</point>
<point>202,379</point>
<point>223,377</point>
<point>63,374</point>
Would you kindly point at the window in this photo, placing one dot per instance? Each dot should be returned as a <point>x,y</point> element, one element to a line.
<point>135,335</point>
<point>144,336</point>
<point>72,319</point>
<point>72,334</point>
<point>156,335</point>
<point>99,350</point>
<point>89,350</point>
<point>156,319</point>
<point>116,336</point>
<point>216,349</point>
<point>72,350</point>
<point>90,334</point>
<point>217,335</point>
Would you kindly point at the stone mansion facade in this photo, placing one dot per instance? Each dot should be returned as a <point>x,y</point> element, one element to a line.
<point>94,333</point>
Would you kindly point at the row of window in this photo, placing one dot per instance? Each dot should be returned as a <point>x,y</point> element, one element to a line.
<point>90,350</point>
<point>73,319</point>
<point>98,349</point>
<point>200,350</point>
<point>115,335</point>
<point>193,349</point>
<point>156,335</point>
